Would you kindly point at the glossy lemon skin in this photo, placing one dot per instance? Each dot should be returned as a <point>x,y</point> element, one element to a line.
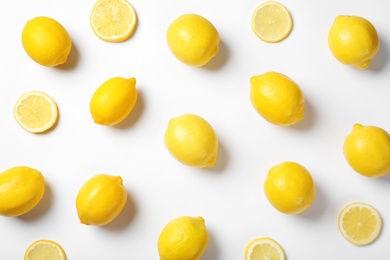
<point>277,98</point>
<point>46,41</point>
<point>183,238</point>
<point>113,101</point>
<point>353,40</point>
<point>101,199</point>
<point>192,141</point>
<point>21,189</point>
<point>289,188</point>
<point>193,39</point>
<point>367,150</point>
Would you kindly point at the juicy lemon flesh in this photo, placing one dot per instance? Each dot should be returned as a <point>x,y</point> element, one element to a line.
<point>45,249</point>
<point>289,188</point>
<point>360,223</point>
<point>113,101</point>
<point>191,140</point>
<point>264,249</point>
<point>353,40</point>
<point>21,189</point>
<point>46,41</point>
<point>277,98</point>
<point>113,20</point>
<point>193,39</point>
<point>367,150</point>
<point>101,199</point>
<point>271,22</point>
<point>36,112</point>
<point>183,238</point>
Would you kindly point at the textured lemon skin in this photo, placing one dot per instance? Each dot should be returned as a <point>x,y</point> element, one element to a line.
<point>46,41</point>
<point>113,101</point>
<point>367,150</point>
<point>193,39</point>
<point>353,40</point>
<point>277,98</point>
<point>192,141</point>
<point>290,188</point>
<point>21,189</point>
<point>101,199</point>
<point>183,238</point>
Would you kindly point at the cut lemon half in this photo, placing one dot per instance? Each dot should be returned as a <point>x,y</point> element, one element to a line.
<point>113,20</point>
<point>271,22</point>
<point>36,112</point>
<point>360,223</point>
<point>264,248</point>
<point>44,249</point>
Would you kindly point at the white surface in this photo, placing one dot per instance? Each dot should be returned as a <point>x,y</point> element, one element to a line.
<point>230,195</point>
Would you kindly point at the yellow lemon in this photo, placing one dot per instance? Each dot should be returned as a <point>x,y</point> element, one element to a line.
<point>46,41</point>
<point>193,39</point>
<point>289,187</point>
<point>183,238</point>
<point>21,189</point>
<point>353,40</point>
<point>277,98</point>
<point>101,199</point>
<point>192,141</point>
<point>36,112</point>
<point>113,101</point>
<point>360,223</point>
<point>45,249</point>
<point>113,20</point>
<point>367,150</point>
<point>264,248</point>
<point>271,21</point>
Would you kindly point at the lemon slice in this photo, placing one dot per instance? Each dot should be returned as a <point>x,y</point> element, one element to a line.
<point>113,20</point>
<point>264,248</point>
<point>360,223</point>
<point>271,22</point>
<point>44,249</point>
<point>36,112</point>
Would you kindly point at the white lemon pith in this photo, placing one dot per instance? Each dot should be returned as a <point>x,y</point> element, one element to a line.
<point>46,41</point>
<point>353,40</point>
<point>360,223</point>
<point>21,189</point>
<point>192,141</point>
<point>193,39</point>
<point>183,238</point>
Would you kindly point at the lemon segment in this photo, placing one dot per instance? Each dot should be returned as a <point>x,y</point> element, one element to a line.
<point>193,39</point>
<point>183,238</point>
<point>46,41</point>
<point>45,249</point>
<point>353,40</point>
<point>359,223</point>
<point>264,248</point>
<point>271,22</point>
<point>36,112</point>
<point>113,20</point>
<point>21,189</point>
<point>367,150</point>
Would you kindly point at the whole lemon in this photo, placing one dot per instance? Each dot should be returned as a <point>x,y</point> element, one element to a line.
<point>289,187</point>
<point>277,98</point>
<point>367,150</point>
<point>113,101</point>
<point>46,41</point>
<point>192,141</point>
<point>183,238</point>
<point>101,199</point>
<point>353,40</point>
<point>193,39</point>
<point>21,189</point>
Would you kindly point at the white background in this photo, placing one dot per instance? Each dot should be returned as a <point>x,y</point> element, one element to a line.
<point>228,196</point>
